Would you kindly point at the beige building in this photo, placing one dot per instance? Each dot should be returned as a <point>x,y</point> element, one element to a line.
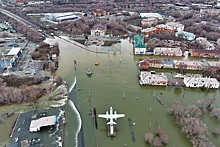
<point>149,22</point>
<point>176,26</point>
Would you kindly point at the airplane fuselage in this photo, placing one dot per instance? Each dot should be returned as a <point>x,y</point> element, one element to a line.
<point>111,117</point>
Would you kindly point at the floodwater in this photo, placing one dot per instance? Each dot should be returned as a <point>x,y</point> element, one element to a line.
<point>115,83</point>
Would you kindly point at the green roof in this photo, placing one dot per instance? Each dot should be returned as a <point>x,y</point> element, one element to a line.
<point>139,41</point>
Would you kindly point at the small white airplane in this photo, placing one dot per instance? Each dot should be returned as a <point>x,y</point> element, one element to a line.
<point>111,117</point>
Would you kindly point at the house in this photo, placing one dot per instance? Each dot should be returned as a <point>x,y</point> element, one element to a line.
<point>162,28</point>
<point>99,12</point>
<point>150,63</point>
<point>190,65</point>
<point>149,22</point>
<point>139,46</point>
<point>167,51</point>
<point>167,63</point>
<point>149,31</point>
<point>143,65</point>
<point>201,82</point>
<point>205,43</point>
<point>204,53</point>
<point>176,26</point>
<point>151,78</point>
<point>185,35</point>
<point>98,30</point>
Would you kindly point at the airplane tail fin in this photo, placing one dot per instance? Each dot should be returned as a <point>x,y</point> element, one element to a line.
<point>111,123</point>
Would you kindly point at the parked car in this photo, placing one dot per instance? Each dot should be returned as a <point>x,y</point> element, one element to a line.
<point>13,45</point>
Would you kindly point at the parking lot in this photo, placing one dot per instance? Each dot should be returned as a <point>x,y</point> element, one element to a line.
<point>24,65</point>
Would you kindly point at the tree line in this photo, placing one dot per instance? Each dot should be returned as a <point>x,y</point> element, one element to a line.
<point>188,120</point>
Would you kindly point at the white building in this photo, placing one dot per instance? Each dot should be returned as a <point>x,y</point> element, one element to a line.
<point>151,78</point>
<point>167,51</point>
<point>61,16</point>
<point>42,122</point>
<point>201,82</point>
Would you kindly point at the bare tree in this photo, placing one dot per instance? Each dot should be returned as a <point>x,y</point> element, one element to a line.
<point>149,137</point>
<point>58,80</point>
<point>37,79</point>
<point>216,132</point>
<point>162,135</point>
<point>205,104</point>
<point>216,113</point>
<point>157,142</point>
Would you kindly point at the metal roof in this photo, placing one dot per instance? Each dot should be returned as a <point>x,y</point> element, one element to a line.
<point>14,51</point>
<point>41,122</point>
<point>139,41</point>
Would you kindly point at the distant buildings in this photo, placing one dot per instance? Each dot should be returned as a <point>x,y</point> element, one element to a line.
<point>139,46</point>
<point>99,12</point>
<point>152,15</point>
<point>59,17</point>
<point>151,78</point>
<point>201,82</point>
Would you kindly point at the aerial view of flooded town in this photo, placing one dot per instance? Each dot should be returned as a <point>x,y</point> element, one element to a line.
<point>110,73</point>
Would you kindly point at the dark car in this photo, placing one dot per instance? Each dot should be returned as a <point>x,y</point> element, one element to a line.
<point>13,45</point>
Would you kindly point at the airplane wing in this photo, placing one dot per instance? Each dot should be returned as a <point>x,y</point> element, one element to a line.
<point>115,116</point>
<point>104,116</point>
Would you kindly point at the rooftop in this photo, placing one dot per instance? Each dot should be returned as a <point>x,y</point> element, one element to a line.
<point>150,15</point>
<point>14,51</point>
<point>42,122</point>
<point>200,80</point>
<point>206,51</point>
<point>139,41</point>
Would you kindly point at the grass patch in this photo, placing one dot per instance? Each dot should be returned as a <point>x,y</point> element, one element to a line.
<point>80,41</point>
<point>109,43</point>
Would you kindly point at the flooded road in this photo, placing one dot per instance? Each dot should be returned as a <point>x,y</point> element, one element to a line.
<point>115,83</point>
